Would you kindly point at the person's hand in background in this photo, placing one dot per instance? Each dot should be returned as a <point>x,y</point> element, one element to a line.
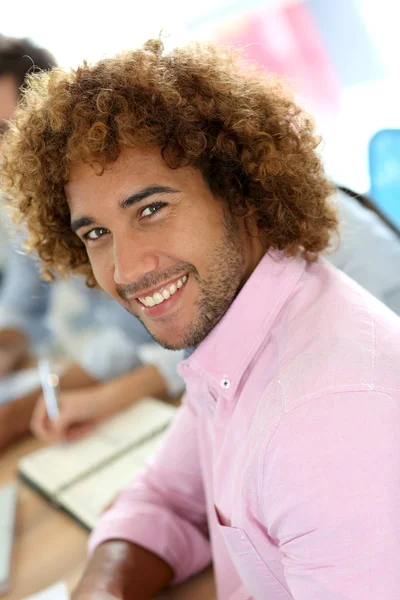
<point>82,408</point>
<point>14,346</point>
<point>79,411</point>
<point>16,415</point>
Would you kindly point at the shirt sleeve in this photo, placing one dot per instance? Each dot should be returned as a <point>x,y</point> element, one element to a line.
<point>164,510</point>
<point>24,297</point>
<point>331,497</point>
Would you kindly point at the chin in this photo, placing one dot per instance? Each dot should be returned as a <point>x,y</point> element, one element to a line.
<point>169,342</point>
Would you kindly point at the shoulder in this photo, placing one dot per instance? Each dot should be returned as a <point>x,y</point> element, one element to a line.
<point>338,439</point>
<point>335,337</point>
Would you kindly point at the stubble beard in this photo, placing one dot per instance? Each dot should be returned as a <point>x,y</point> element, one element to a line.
<point>225,273</point>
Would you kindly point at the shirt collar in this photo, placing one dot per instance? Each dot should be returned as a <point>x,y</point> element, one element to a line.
<point>229,348</point>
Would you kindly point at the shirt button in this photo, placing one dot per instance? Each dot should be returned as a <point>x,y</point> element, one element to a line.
<point>225,383</point>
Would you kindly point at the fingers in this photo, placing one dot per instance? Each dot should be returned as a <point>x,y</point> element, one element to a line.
<point>50,431</point>
<point>41,425</point>
<point>68,427</point>
<point>77,431</point>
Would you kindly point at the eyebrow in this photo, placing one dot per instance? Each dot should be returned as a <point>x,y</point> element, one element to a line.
<point>151,190</point>
<point>81,222</point>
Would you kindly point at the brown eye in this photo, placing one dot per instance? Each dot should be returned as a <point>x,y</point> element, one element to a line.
<point>151,209</point>
<point>95,234</point>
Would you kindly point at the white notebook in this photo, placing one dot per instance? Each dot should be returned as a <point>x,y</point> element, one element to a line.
<point>8,503</point>
<point>83,477</point>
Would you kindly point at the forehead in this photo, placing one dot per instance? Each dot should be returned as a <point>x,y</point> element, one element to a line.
<point>131,163</point>
<point>133,170</point>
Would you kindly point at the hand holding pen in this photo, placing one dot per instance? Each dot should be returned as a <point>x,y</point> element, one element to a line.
<point>63,416</point>
<point>50,383</point>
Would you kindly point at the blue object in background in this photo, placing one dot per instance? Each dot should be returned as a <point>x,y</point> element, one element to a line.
<point>384,169</point>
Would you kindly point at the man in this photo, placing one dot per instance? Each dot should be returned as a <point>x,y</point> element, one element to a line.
<point>191,191</point>
<point>117,366</point>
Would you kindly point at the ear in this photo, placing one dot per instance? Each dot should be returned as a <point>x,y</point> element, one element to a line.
<point>250,223</point>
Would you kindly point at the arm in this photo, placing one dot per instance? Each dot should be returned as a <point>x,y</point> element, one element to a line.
<point>127,571</point>
<point>83,402</point>
<point>331,497</point>
<point>16,416</point>
<point>163,511</point>
<point>14,345</point>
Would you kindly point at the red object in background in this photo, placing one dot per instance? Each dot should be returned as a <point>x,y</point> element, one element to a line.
<point>287,42</point>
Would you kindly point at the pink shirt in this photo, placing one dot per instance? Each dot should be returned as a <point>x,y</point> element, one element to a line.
<point>283,462</point>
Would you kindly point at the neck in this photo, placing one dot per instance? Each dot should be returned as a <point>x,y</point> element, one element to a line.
<point>254,249</point>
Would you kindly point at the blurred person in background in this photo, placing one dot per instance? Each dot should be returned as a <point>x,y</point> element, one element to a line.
<point>120,364</point>
<point>183,171</point>
<point>368,248</point>
<point>17,58</point>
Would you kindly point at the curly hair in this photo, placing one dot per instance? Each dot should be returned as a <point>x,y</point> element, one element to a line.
<point>202,107</point>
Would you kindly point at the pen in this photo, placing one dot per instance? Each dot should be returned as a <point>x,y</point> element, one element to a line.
<point>50,384</point>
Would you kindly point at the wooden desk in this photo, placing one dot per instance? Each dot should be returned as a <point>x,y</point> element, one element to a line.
<point>49,546</point>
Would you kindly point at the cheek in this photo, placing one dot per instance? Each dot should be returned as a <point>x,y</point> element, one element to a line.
<point>190,236</point>
<point>103,271</point>
<point>198,244</point>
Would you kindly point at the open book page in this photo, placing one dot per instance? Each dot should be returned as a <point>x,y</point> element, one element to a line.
<point>55,468</point>
<point>89,498</point>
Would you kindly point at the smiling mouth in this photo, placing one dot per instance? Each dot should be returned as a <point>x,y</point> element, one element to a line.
<point>163,293</point>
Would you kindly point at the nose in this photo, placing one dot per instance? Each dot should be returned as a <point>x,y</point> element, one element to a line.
<point>132,260</point>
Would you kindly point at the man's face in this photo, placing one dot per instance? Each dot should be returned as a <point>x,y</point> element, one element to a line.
<point>161,243</point>
<point>8,99</point>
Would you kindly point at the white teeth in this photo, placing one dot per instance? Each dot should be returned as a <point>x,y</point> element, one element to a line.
<point>159,297</point>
